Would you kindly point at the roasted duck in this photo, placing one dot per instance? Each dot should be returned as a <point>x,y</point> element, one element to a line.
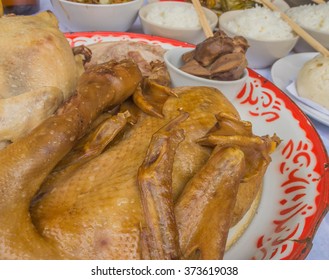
<point>129,168</point>
<point>37,70</point>
<point>136,198</point>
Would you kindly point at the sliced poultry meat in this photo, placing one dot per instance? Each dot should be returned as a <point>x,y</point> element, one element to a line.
<point>210,49</point>
<point>142,54</point>
<point>228,67</point>
<point>37,66</point>
<point>218,58</point>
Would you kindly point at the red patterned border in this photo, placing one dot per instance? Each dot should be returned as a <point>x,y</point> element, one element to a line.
<point>299,154</point>
<point>271,100</point>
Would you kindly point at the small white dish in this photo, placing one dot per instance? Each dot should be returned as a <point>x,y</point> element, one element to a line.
<point>285,71</point>
<point>173,60</point>
<point>97,17</point>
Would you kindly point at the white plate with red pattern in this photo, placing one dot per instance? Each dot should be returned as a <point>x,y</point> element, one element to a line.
<point>295,195</point>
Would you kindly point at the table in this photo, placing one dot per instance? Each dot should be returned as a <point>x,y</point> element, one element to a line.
<point>320,250</point>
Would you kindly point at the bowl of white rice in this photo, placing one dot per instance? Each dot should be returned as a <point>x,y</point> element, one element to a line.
<point>270,38</point>
<point>314,19</point>
<point>175,20</point>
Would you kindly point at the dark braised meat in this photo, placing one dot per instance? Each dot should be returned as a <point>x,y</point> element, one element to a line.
<point>195,68</point>
<point>228,67</point>
<point>219,58</point>
<point>209,50</point>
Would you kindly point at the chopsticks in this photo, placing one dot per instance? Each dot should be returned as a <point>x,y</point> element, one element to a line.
<point>319,1</point>
<point>203,20</point>
<point>300,31</point>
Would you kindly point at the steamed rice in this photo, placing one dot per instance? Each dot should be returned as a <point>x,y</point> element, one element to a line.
<point>311,16</point>
<point>262,24</point>
<point>178,17</point>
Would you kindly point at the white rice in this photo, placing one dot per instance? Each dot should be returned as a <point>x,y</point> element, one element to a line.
<point>311,16</point>
<point>178,17</point>
<point>260,23</point>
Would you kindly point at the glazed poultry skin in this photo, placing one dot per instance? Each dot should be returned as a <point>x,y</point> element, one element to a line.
<point>142,184</point>
<point>95,211</point>
<point>26,163</point>
<point>115,235</point>
<point>37,70</point>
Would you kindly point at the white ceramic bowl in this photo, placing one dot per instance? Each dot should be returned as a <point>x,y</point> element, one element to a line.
<point>261,53</point>
<point>173,60</point>
<point>97,17</point>
<point>321,36</point>
<point>193,35</point>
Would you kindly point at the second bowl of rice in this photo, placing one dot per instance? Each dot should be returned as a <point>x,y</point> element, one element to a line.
<point>315,20</point>
<point>269,37</point>
<point>175,20</point>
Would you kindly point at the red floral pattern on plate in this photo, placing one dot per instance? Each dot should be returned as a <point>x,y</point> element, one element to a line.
<point>298,167</point>
<point>266,105</point>
<point>296,183</point>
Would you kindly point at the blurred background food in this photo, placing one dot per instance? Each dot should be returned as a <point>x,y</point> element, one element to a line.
<point>220,6</point>
<point>20,7</point>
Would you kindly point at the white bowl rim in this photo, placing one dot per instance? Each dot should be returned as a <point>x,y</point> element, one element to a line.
<point>310,28</point>
<point>307,28</point>
<point>98,5</point>
<point>142,9</point>
<point>295,38</point>
<point>211,82</point>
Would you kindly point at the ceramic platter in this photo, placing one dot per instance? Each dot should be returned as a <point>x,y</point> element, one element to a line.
<point>295,195</point>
